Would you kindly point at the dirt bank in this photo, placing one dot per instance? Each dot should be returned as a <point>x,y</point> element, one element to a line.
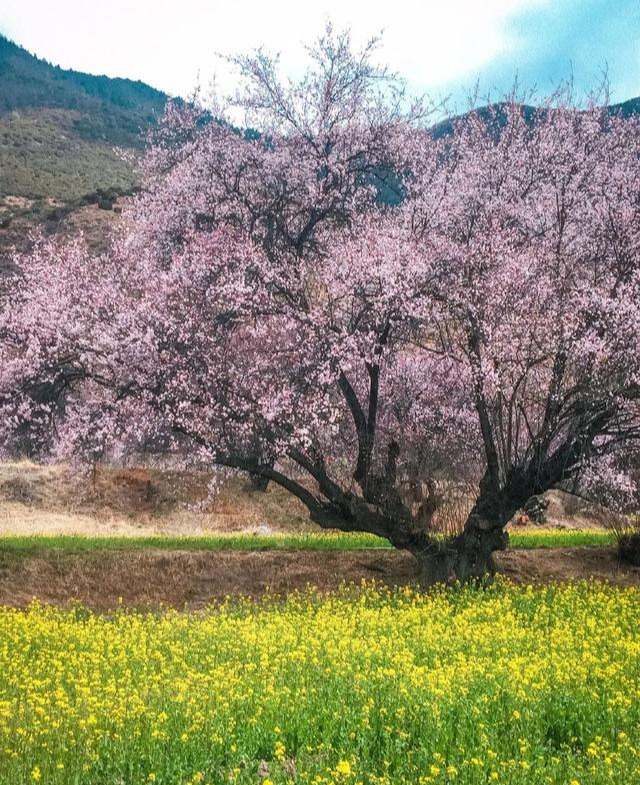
<point>185,579</point>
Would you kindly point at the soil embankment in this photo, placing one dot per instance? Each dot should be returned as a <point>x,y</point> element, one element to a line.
<point>193,579</point>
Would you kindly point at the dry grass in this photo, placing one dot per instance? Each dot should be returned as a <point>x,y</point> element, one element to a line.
<point>56,499</point>
<point>36,499</point>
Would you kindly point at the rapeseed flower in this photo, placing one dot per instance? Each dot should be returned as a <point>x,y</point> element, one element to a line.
<point>521,685</point>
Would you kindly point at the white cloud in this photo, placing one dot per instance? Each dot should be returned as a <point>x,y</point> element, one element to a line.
<point>172,44</point>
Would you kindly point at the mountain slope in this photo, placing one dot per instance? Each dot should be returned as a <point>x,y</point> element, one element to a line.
<point>59,128</point>
<point>62,138</point>
<point>113,110</point>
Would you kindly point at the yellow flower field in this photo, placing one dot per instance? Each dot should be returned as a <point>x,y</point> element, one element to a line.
<point>508,685</point>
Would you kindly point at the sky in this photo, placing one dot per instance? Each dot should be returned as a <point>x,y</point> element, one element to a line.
<point>442,47</point>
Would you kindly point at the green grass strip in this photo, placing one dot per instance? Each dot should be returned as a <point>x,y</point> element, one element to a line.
<point>207,542</point>
<point>558,538</point>
<point>39,544</point>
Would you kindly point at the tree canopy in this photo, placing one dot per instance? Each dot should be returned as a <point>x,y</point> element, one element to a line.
<point>263,310</point>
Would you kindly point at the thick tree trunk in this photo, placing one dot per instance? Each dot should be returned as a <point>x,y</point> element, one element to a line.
<point>467,557</point>
<point>475,547</point>
<point>381,511</point>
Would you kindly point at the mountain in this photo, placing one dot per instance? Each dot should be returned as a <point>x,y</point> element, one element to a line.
<point>59,128</point>
<point>497,112</point>
<point>62,138</point>
<point>114,110</point>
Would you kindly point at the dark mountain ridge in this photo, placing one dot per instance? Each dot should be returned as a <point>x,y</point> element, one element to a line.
<point>62,135</point>
<point>113,110</point>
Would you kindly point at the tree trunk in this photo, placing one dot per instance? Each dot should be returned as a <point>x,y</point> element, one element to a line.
<point>258,483</point>
<point>475,546</point>
<point>467,557</point>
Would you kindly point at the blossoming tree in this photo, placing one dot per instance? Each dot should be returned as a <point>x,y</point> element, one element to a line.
<point>265,309</point>
<point>532,224</point>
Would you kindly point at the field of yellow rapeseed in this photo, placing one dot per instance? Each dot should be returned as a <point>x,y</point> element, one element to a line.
<point>507,685</point>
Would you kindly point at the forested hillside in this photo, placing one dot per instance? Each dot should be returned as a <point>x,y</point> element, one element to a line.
<point>62,138</point>
<point>58,127</point>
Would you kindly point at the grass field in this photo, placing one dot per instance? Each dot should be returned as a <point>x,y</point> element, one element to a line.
<point>35,544</point>
<point>508,685</point>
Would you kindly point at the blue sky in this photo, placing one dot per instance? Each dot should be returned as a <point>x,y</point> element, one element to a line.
<point>442,46</point>
<point>575,36</point>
